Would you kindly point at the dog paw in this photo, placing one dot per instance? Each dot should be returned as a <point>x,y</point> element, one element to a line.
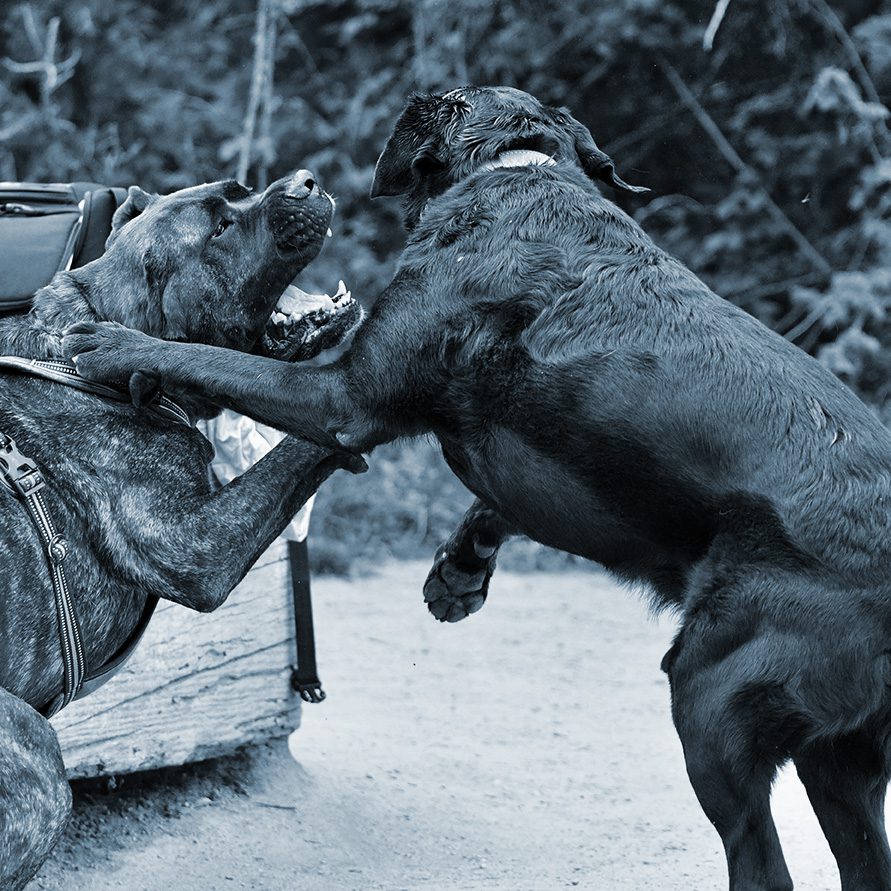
<point>454,589</point>
<point>105,351</point>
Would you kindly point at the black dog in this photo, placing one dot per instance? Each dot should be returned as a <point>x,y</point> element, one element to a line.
<point>596,396</point>
<point>130,490</point>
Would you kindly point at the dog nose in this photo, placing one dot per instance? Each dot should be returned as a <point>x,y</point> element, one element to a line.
<point>301,185</point>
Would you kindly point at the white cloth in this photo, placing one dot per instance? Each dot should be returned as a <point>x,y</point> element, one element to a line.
<point>239,443</point>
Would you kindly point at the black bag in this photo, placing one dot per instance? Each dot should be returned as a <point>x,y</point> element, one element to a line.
<point>48,227</point>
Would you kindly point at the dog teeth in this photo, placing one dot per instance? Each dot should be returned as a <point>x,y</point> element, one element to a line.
<point>341,295</point>
<point>329,233</point>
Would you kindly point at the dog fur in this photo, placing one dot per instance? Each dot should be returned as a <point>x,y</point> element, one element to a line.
<point>595,395</point>
<point>131,491</point>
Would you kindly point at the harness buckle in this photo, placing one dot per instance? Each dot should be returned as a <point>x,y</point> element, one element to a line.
<point>19,470</point>
<point>310,691</point>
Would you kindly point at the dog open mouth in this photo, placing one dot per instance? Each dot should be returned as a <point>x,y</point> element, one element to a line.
<point>303,324</point>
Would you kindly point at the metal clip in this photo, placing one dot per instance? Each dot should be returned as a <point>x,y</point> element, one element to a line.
<point>19,470</point>
<point>309,692</point>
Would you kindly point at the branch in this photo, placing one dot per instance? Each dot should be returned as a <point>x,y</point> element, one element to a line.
<point>267,99</point>
<point>834,24</point>
<point>45,46</point>
<point>7,133</point>
<point>736,162</point>
<point>708,39</point>
<point>258,79</point>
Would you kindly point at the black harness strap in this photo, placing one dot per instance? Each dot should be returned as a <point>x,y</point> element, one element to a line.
<point>63,372</point>
<point>305,675</point>
<point>26,481</point>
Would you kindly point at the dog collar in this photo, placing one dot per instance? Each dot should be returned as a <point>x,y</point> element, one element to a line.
<point>519,158</point>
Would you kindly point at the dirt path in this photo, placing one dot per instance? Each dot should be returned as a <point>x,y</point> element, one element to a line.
<point>528,748</point>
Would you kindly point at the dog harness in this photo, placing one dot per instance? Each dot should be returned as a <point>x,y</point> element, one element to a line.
<point>23,478</point>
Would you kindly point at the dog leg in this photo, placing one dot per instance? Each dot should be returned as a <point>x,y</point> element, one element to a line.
<point>373,394</point>
<point>35,799</point>
<point>729,773</point>
<point>305,401</point>
<point>198,550</point>
<point>459,580</point>
<point>846,782</point>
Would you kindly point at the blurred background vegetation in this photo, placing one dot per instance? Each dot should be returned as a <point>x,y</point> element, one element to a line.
<point>761,127</point>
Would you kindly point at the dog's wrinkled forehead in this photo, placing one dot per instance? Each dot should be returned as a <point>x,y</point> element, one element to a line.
<point>200,202</point>
<point>186,214</point>
<point>487,99</point>
<point>465,114</point>
<point>225,190</point>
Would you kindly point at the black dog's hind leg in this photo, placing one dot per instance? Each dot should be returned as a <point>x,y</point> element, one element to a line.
<point>459,580</point>
<point>195,552</point>
<point>846,780</point>
<point>35,799</point>
<point>730,773</point>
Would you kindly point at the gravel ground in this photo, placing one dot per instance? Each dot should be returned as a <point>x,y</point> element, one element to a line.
<point>530,747</point>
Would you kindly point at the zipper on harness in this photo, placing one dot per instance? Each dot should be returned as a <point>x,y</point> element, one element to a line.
<point>21,474</point>
<point>13,208</point>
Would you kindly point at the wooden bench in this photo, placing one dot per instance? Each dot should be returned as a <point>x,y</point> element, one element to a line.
<point>198,686</point>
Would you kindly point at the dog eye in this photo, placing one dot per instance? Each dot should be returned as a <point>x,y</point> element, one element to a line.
<point>222,226</point>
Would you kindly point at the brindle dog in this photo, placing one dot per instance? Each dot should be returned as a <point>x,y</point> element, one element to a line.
<point>597,396</point>
<point>131,490</point>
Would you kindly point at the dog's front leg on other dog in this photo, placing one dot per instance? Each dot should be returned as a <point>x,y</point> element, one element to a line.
<point>287,397</point>
<point>458,583</point>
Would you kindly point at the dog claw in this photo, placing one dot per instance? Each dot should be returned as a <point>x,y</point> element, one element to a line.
<point>483,551</point>
<point>439,609</point>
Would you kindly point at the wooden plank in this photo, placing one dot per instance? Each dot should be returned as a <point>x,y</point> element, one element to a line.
<point>199,684</point>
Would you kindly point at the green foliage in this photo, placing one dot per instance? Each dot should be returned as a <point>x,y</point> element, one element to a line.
<point>782,204</point>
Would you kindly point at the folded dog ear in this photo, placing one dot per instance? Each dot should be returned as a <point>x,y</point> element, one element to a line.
<point>392,173</point>
<point>410,151</point>
<point>398,166</point>
<point>596,163</point>
<point>136,202</point>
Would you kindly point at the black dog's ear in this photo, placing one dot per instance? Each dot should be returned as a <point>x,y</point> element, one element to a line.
<point>392,173</point>
<point>411,150</point>
<point>136,202</point>
<point>596,163</point>
<point>399,165</point>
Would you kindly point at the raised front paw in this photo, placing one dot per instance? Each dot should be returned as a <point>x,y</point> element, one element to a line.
<point>107,352</point>
<point>454,589</point>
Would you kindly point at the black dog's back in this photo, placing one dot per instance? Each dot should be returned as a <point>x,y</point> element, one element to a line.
<point>656,414</point>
